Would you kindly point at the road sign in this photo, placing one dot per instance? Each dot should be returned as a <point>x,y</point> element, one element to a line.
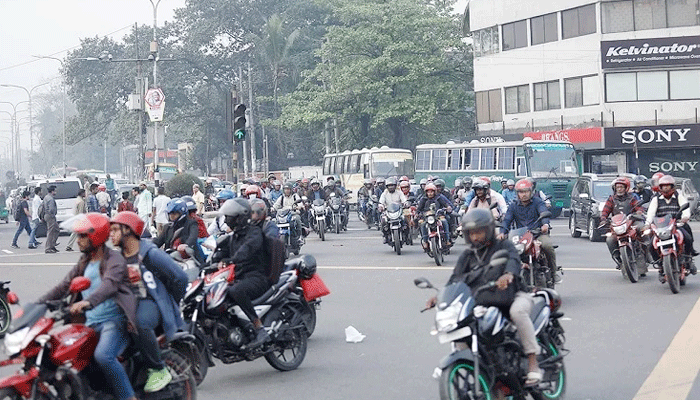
<point>155,104</point>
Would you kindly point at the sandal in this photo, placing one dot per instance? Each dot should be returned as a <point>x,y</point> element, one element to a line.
<point>533,378</point>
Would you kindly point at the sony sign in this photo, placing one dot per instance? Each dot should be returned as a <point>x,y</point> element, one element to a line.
<point>653,52</point>
<point>652,137</point>
<point>675,166</point>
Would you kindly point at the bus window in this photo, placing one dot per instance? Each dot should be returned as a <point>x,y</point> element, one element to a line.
<point>467,155</point>
<point>488,159</point>
<point>339,164</point>
<point>355,163</point>
<point>455,160</point>
<point>520,166</point>
<point>365,171</point>
<point>439,161</point>
<point>422,160</point>
<point>506,158</point>
<point>474,159</point>
<point>327,166</point>
<point>331,170</point>
<point>347,169</point>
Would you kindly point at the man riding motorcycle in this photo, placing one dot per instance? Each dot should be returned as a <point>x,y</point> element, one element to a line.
<point>474,269</point>
<point>640,188</point>
<point>315,192</point>
<point>509,192</point>
<point>621,201</point>
<point>431,197</point>
<point>181,234</point>
<point>525,211</point>
<point>390,195</point>
<point>158,283</point>
<point>405,188</point>
<point>380,187</point>
<point>670,201</point>
<point>275,192</point>
<point>334,187</point>
<point>485,196</point>
<point>290,200</point>
<point>259,217</point>
<point>421,189</point>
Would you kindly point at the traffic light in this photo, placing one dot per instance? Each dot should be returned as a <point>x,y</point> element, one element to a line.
<point>239,122</point>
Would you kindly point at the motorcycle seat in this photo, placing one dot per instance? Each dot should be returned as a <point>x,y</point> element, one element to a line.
<point>539,304</point>
<point>266,296</point>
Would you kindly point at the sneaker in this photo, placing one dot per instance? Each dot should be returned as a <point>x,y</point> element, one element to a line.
<point>49,251</point>
<point>69,248</point>
<point>14,246</point>
<point>693,268</point>
<point>32,246</point>
<point>261,337</point>
<point>37,243</point>
<point>157,380</point>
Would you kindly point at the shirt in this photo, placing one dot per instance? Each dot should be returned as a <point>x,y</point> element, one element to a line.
<point>108,310</point>
<point>79,207</point>
<point>159,204</point>
<point>36,202</point>
<point>22,206</point>
<point>199,200</point>
<point>144,203</point>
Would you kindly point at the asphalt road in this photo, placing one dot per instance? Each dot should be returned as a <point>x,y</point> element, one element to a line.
<point>617,332</point>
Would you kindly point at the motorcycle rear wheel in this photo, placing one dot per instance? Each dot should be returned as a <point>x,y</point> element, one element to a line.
<point>556,378</point>
<point>670,266</point>
<point>628,264</point>
<point>322,230</point>
<point>181,370</point>
<point>5,316</point>
<point>457,382</point>
<point>397,242</point>
<point>437,252</point>
<point>292,342</point>
<point>9,394</point>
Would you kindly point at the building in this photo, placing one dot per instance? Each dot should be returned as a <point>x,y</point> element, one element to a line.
<point>620,79</point>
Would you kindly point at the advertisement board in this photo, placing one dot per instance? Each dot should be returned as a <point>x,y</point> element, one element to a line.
<point>654,52</point>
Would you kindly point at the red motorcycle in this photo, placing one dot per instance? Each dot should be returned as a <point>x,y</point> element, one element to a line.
<point>56,357</point>
<point>7,297</point>
<point>668,243</point>
<point>632,250</point>
<point>535,271</point>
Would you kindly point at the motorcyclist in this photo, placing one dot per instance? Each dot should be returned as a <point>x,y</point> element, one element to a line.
<point>192,214</point>
<point>405,188</point>
<point>181,233</point>
<point>379,187</point>
<point>218,226</point>
<point>640,188</point>
<point>333,189</point>
<point>440,185</point>
<point>621,201</point>
<point>484,197</point>
<point>390,196</point>
<point>431,197</point>
<point>474,269</point>
<point>525,211</point>
<point>455,189</point>
<point>654,182</point>
<point>208,188</point>
<point>303,187</point>
<point>254,192</point>
<point>421,190</point>
<point>241,189</point>
<point>259,217</point>
<point>315,192</point>
<point>275,192</point>
<point>670,201</point>
<point>291,200</point>
<point>244,248</point>
<point>330,184</point>
<point>509,192</point>
<point>103,199</point>
<point>109,304</point>
<point>158,283</point>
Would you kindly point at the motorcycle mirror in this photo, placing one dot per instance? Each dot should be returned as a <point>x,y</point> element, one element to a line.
<point>12,298</point>
<point>545,214</point>
<point>78,284</point>
<point>422,283</point>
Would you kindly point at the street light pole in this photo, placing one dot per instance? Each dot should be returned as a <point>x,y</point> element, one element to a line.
<point>15,134</point>
<point>155,51</point>
<point>29,96</point>
<point>12,138</point>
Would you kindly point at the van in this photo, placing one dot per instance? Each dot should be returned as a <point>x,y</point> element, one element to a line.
<point>66,197</point>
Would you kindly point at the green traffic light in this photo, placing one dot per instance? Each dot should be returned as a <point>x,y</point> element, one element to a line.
<point>239,134</point>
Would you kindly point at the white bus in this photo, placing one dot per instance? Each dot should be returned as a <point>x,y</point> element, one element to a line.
<point>353,167</point>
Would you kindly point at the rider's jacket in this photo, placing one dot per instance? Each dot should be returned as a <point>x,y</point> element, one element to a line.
<point>473,265</point>
<point>645,194</point>
<point>185,229</point>
<point>388,198</point>
<point>660,206</point>
<point>624,204</point>
<point>316,194</point>
<point>244,247</point>
<point>525,214</point>
<point>286,201</point>
<point>274,195</point>
<point>338,192</point>
<point>425,202</point>
<point>364,192</point>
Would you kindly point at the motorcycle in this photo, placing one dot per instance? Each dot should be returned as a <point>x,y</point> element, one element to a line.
<point>362,208</point>
<point>436,234</point>
<point>395,221</point>
<point>484,344</point>
<point>535,271</point>
<point>668,243</point>
<point>337,216</point>
<point>318,217</point>
<point>7,297</point>
<point>56,357</point>
<point>371,211</point>
<point>222,330</point>
<point>632,250</point>
<point>284,223</point>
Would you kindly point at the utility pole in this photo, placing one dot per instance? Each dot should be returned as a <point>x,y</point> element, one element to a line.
<point>240,100</point>
<point>251,121</point>
<point>140,93</point>
<point>233,96</point>
<point>154,51</point>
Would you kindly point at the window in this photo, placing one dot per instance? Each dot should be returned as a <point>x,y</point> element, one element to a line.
<point>546,96</point>
<point>486,41</point>
<point>652,85</point>
<point>682,12</point>
<point>649,14</point>
<point>327,166</point>
<point>578,21</point>
<point>646,86</point>
<point>514,35</point>
<point>617,16</point>
<point>488,106</point>
<point>455,160</point>
<point>685,84</point>
<point>488,158</point>
<point>506,158</point>
<point>474,159</point>
<point>518,99</point>
<point>544,29</point>
<point>582,91</point>
<point>355,163</point>
<point>467,156</point>
<point>621,87</point>
<point>339,165</point>
<point>439,160</point>
<point>422,160</point>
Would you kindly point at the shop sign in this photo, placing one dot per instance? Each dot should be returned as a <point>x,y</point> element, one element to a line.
<point>675,166</point>
<point>681,135</point>
<point>579,137</point>
<point>654,52</point>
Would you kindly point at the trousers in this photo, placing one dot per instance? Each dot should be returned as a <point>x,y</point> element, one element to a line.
<point>245,290</point>
<point>520,315</point>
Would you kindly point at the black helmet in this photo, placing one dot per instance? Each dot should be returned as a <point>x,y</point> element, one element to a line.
<point>477,218</point>
<point>236,211</point>
<point>640,179</point>
<point>480,184</point>
<point>440,183</point>
<point>307,267</point>
<point>467,181</point>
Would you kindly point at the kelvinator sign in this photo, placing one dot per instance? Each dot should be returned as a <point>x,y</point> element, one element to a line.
<point>650,52</point>
<point>682,135</point>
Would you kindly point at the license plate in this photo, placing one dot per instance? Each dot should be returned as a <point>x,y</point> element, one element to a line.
<point>665,242</point>
<point>454,335</point>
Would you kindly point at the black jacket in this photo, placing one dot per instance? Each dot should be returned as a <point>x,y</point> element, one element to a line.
<point>425,202</point>
<point>470,268</point>
<point>185,229</point>
<point>245,249</point>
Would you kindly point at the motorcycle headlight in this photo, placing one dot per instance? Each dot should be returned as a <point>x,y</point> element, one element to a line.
<point>520,247</point>
<point>515,240</point>
<point>13,341</point>
<point>446,320</point>
<point>431,220</point>
<point>620,229</point>
<point>664,234</point>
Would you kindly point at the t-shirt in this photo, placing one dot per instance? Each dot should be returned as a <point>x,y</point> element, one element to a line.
<point>36,202</point>
<point>139,281</point>
<point>22,206</point>
<point>108,310</point>
<point>159,204</point>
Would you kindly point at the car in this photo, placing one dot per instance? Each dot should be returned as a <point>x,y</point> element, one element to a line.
<point>587,201</point>
<point>685,186</point>
<point>66,196</point>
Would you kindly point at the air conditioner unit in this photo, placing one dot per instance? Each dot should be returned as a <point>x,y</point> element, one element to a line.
<point>135,102</point>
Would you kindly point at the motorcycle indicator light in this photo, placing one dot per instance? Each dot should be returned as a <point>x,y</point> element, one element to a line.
<point>12,298</point>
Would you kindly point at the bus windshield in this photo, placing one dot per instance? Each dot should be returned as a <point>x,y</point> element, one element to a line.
<point>392,164</point>
<point>551,160</point>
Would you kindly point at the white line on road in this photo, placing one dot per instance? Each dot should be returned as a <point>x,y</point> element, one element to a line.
<point>7,252</point>
<point>378,268</point>
<point>674,374</point>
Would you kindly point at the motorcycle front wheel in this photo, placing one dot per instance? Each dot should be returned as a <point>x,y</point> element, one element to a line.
<point>291,349</point>
<point>437,252</point>
<point>183,383</point>
<point>457,382</point>
<point>553,382</point>
<point>670,265</point>
<point>629,264</point>
<point>397,242</point>
<point>322,230</point>
<point>9,394</point>
<point>336,222</point>
<point>5,316</point>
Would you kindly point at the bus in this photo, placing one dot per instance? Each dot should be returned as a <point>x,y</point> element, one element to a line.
<point>353,167</point>
<point>553,164</point>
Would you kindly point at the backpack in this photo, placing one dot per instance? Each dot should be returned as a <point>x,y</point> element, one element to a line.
<point>274,256</point>
<point>17,213</point>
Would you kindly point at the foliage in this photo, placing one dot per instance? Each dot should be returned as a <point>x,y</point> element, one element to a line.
<point>181,185</point>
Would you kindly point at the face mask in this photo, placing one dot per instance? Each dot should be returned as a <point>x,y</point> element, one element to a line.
<point>253,196</point>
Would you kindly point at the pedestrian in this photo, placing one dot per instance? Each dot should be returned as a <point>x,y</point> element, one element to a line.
<point>79,208</point>
<point>92,204</point>
<point>23,222</point>
<point>103,200</point>
<point>198,197</point>
<point>36,202</point>
<point>160,215</point>
<point>144,203</point>
<point>111,190</point>
<point>125,204</point>
<point>50,211</point>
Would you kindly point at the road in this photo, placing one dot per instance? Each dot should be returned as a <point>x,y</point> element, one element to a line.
<point>617,332</point>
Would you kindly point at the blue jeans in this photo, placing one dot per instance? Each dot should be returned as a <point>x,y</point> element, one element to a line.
<point>23,225</point>
<point>113,341</point>
<point>32,236</point>
<point>148,319</point>
<point>424,230</point>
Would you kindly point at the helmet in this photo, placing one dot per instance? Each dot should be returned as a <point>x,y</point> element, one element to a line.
<point>623,180</point>
<point>553,298</point>
<point>191,205</point>
<point>423,181</point>
<point>225,195</point>
<point>131,220</point>
<point>95,225</point>
<point>243,188</point>
<point>253,189</point>
<point>177,206</point>
<point>412,181</point>
<point>288,185</point>
<point>477,218</point>
<point>480,184</point>
<point>458,182</point>
<point>315,182</point>
<point>391,182</point>
<point>467,181</point>
<point>403,178</point>
<point>504,180</point>
<point>277,183</point>
<point>510,182</point>
<point>655,181</point>
<point>667,180</point>
<point>307,266</point>
<point>430,186</point>
<point>440,182</point>
<point>367,182</point>
<point>102,188</point>
<point>236,212</point>
<point>330,178</point>
<point>305,181</point>
<point>258,207</point>
<point>380,181</point>
<point>404,184</point>
<point>524,184</point>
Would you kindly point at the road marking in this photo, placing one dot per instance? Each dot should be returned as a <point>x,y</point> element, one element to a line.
<point>674,374</point>
<point>7,252</point>
<point>379,268</point>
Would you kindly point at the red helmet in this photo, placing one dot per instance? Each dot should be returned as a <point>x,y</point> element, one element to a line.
<point>102,188</point>
<point>667,180</point>
<point>404,184</point>
<point>253,189</point>
<point>524,184</point>
<point>305,180</point>
<point>95,225</point>
<point>403,178</point>
<point>130,219</point>
<point>623,180</point>
<point>655,181</point>
<point>430,186</point>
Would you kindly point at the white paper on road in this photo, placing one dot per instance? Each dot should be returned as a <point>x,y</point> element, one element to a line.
<point>352,335</point>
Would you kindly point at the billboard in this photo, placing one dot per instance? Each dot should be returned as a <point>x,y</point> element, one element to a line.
<point>654,52</point>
